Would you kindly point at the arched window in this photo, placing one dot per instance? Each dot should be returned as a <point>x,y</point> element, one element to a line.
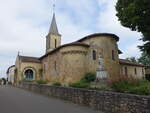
<point>94,55</point>
<point>29,74</point>
<point>126,71</point>
<point>55,43</point>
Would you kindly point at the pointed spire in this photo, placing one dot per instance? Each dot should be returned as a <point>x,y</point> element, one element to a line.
<point>53,28</point>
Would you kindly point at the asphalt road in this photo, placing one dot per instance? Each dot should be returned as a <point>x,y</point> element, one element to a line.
<point>15,100</point>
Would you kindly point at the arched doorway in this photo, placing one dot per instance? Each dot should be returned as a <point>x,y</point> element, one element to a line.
<point>29,74</point>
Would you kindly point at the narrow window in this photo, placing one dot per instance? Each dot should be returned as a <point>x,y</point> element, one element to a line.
<point>55,66</point>
<point>135,71</point>
<point>113,55</point>
<point>142,71</point>
<point>126,71</point>
<point>55,43</point>
<point>94,55</point>
<point>44,68</point>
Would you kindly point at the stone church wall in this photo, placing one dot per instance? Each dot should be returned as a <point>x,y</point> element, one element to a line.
<point>69,64</point>
<point>66,65</point>
<point>103,45</point>
<point>21,66</point>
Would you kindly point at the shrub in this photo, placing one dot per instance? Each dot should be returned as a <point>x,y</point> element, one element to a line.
<point>89,77</point>
<point>121,85</point>
<point>131,86</point>
<point>41,82</point>
<point>141,90</point>
<point>80,85</point>
<point>147,76</point>
<point>57,84</point>
<point>103,87</point>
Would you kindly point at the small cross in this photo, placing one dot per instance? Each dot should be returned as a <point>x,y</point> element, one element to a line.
<point>54,6</point>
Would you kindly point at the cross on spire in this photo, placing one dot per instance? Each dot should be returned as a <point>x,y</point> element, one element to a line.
<point>54,5</point>
<point>53,28</point>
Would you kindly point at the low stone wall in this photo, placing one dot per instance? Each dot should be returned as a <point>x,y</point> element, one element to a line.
<point>108,102</point>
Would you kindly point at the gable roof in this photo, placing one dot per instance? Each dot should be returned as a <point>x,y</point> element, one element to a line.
<point>69,44</point>
<point>29,59</point>
<point>127,62</point>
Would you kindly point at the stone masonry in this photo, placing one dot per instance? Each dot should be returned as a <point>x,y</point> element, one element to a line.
<point>106,101</point>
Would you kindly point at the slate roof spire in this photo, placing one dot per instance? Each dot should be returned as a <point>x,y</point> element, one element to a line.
<point>53,28</point>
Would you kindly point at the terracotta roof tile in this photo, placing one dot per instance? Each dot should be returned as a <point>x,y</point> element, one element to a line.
<point>127,62</point>
<point>29,59</point>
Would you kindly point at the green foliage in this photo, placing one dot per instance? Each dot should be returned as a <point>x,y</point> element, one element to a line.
<point>132,59</point>
<point>85,81</point>
<point>147,76</point>
<point>135,15</point>
<point>121,85</point>
<point>102,87</point>
<point>141,90</point>
<point>89,77</point>
<point>141,87</point>
<point>57,84</point>
<point>145,48</point>
<point>145,60</point>
<point>41,82</point>
<point>80,85</point>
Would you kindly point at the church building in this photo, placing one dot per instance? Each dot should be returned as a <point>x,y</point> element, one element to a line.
<point>68,63</point>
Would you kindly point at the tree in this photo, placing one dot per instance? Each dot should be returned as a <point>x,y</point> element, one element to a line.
<point>132,59</point>
<point>145,59</point>
<point>135,14</point>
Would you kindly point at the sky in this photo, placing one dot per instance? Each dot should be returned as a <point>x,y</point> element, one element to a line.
<point>24,25</point>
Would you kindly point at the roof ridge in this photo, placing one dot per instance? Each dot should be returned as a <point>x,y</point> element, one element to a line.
<point>28,56</point>
<point>128,62</point>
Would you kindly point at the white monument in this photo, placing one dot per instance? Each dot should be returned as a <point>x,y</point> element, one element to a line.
<point>101,70</point>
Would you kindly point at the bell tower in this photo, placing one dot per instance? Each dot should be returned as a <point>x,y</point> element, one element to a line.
<point>53,39</point>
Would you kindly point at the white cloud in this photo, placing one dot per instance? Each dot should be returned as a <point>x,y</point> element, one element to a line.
<point>25,23</point>
<point>17,34</point>
<point>132,50</point>
<point>108,22</point>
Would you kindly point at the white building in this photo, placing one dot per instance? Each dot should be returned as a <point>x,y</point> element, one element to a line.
<point>11,74</point>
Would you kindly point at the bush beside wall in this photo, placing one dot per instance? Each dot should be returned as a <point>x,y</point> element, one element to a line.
<point>147,76</point>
